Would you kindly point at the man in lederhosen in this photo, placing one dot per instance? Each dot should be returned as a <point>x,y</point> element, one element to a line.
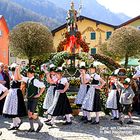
<point>34,89</point>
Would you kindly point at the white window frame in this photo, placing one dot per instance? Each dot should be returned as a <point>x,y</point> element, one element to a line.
<point>0,32</point>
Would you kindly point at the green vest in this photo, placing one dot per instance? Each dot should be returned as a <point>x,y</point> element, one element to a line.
<point>31,89</point>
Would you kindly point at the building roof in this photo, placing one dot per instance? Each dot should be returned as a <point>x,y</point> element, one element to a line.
<point>1,16</point>
<point>4,21</point>
<point>82,18</point>
<point>130,21</point>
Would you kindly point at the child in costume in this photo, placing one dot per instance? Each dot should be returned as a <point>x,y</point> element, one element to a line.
<point>61,105</point>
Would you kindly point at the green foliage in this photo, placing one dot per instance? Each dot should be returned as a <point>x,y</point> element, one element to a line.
<point>103,49</point>
<point>39,109</point>
<point>103,99</point>
<point>59,58</point>
<point>125,42</point>
<point>31,40</point>
<point>74,82</point>
<point>110,63</point>
<point>39,60</point>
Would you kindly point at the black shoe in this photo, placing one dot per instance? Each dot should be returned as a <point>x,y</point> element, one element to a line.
<point>115,118</point>
<point>130,122</point>
<point>67,123</point>
<point>138,113</point>
<point>48,120</point>
<point>31,130</point>
<point>95,122</point>
<point>120,122</point>
<point>0,133</point>
<point>19,124</point>
<point>87,121</point>
<point>49,123</point>
<point>13,128</point>
<point>39,128</point>
<point>83,118</point>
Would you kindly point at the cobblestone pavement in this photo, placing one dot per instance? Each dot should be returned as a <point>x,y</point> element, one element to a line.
<point>107,130</point>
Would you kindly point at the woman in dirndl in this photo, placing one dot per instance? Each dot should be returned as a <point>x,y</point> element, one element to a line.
<point>61,105</point>
<point>51,79</point>
<point>14,106</point>
<point>91,101</point>
<point>113,97</point>
<point>84,78</point>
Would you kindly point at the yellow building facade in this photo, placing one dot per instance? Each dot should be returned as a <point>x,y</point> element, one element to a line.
<point>135,22</point>
<point>93,32</point>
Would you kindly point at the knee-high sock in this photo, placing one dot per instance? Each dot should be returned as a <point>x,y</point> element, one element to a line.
<point>49,116</point>
<point>14,122</point>
<point>122,117</point>
<point>68,118</point>
<point>88,115</point>
<point>38,121</point>
<point>18,120</point>
<point>53,119</point>
<point>130,116</point>
<point>84,113</point>
<point>31,121</point>
<point>117,113</point>
<point>97,116</point>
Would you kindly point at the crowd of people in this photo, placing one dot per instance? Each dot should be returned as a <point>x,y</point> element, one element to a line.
<point>56,102</point>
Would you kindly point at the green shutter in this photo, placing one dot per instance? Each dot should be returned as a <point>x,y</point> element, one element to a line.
<point>93,36</point>
<point>108,34</point>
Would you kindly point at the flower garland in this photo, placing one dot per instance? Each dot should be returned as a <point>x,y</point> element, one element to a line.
<point>59,58</point>
<point>77,39</point>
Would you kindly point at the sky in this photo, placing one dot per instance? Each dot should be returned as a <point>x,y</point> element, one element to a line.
<point>129,7</point>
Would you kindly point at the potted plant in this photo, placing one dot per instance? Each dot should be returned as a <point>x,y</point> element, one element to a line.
<point>75,109</point>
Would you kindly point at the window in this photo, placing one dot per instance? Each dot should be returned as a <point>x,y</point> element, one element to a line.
<point>93,51</point>
<point>93,36</point>
<point>0,33</point>
<point>108,34</point>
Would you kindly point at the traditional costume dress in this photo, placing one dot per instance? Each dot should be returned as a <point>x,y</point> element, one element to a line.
<point>91,101</point>
<point>14,105</point>
<point>50,95</point>
<point>82,91</point>
<point>113,100</point>
<point>61,105</point>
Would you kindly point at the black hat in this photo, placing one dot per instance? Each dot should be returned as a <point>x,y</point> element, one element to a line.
<point>59,69</point>
<point>113,74</point>
<point>83,67</point>
<point>92,66</point>
<point>127,81</point>
<point>31,70</point>
<point>12,68</point>
<point>41,72</point>
<point>52,67</point>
